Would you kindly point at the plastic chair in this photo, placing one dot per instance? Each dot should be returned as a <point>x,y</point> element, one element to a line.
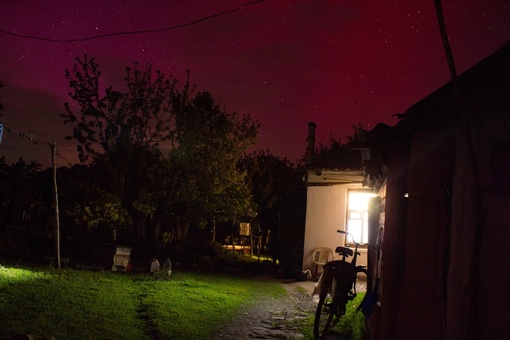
<point>320,257</point>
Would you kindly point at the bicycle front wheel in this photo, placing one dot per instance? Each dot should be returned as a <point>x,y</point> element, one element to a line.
<point>323,316</point>
<point>362,286</point>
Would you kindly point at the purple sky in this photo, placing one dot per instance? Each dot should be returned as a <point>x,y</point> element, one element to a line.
<point>283,62</point>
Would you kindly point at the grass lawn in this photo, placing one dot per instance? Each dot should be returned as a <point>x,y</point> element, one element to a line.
<point>94,305</point>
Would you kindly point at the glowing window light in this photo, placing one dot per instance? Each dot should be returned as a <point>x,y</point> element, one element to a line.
<point>357,215</point>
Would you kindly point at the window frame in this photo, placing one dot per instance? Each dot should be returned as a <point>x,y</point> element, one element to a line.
<point>364,212</point>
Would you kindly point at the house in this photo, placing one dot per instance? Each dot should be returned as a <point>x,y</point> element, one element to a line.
<point>442,179</point>
<point>327,208</point>
<point>330,182</point>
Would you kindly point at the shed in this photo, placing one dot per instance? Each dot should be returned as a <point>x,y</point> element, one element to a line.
<point>442,178</point>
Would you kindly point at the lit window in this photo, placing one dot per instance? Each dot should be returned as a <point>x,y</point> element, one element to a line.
<point>357,216</point>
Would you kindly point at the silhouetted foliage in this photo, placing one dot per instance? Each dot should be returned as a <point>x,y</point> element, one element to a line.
<point>273,181</point>
<point>167,153</point>
<point>269,177</point>
<point>338,154</point>
<point>20,198</point>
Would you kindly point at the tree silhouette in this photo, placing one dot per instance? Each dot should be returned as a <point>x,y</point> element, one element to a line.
<point>168,153</point>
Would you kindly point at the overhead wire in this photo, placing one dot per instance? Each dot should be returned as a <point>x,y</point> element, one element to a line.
<point>25,135</point>
<point>30,137</point>
<point>63,158</point>
<point>133,32</point>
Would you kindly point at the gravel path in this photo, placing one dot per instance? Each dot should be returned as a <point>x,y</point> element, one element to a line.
<point>272,318</point>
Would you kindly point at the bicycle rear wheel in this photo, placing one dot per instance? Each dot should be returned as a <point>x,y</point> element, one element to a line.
<point>323,316</point>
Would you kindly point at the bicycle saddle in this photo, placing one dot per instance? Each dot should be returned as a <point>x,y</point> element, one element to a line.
<point>344,251</point>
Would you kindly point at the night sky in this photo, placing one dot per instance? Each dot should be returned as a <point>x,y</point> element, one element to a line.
<point>283,62</point>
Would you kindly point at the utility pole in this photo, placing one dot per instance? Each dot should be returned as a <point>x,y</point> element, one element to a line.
<point>467,151</point>
<point>55,200</point>
<point>447,49</point>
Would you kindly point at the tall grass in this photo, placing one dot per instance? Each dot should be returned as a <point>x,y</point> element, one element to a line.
<point>94,305</point>
<point>350,326</point>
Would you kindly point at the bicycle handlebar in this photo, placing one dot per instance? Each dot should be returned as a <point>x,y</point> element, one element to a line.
<point>356,243</point>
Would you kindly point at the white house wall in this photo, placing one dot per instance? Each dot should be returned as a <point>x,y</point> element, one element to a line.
<point>325,214</point>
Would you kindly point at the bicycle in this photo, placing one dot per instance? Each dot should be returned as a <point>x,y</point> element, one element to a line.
<point>340,282</point>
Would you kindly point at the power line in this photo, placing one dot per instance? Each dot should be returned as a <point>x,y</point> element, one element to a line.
<point>30,137</point>
<point>60,155</point>
<point>132,32</point>
<point>24,135</point>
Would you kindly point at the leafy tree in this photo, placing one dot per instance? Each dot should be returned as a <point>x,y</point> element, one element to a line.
<point>19,198</point>
<point>169,154</point>
<point>269,177</point>
<point>104,213</point>
<point>118,122</point>
<point>87,210</point>
<point>120,132</point>
<point>210,141</point>
<point>273,181</point>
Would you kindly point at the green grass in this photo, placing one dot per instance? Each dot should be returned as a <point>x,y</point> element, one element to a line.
<point>351,326</point>
<point>93,305</point>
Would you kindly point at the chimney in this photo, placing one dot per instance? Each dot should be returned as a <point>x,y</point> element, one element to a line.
<point>310,144</point>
